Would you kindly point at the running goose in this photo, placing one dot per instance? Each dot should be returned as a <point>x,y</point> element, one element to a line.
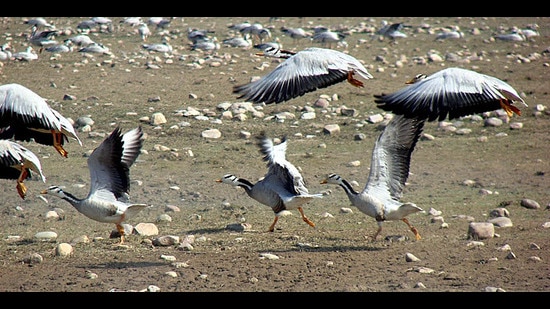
<point>24,115</point>
<point>108,200</point>
<point>305,71</point>
<point>389,170</point>
<point>18,162</point>
<point>454,92</point>
<point>282,188</point>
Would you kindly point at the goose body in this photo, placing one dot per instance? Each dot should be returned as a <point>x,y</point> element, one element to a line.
<point>5,52</point>
<point>66,47</point>
<point>18,162</point>
<point>28,55</point>
<point>24,115</point>
<point>42,39</point>
<point>163,47</point>
<point>296,33</point>
<point>109,164</point>
<point>452,92</point>
<point>389,170</point>
<point>81,40</point>
<point>282,188</point>
<point>95,48</point>
<point>392,31</point>
<point>144,31</point>
<point>302,72</point>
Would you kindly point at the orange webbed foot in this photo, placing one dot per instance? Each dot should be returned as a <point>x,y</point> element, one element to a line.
<point>21,189</point>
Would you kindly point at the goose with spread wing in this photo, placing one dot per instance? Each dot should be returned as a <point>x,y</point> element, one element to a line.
<point>282,188</point>
<point>108,200</point>
<point>18,162</point>
<point>24,115</point>
<point>302,72</point>
<point>389,170</point>
<point>452,92</point>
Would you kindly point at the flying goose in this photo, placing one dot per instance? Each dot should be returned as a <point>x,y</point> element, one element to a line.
<point>108,200</point>
<point>454,92</point>
<point>24,115</point>
<point>389,170</point>
<point>282,188</point>
<point>302,72</point>
<point>18,162</point>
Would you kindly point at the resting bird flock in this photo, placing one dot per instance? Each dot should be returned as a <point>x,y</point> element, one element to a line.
<point>282,188</point>
<point>305,71</point>
<point>389,170</point>
<point>454,92</point>
<point>18,162</point>
<point>24,115</point>
<point>108,200</point>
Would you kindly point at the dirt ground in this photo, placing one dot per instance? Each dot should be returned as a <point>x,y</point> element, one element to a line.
<point>336,255</point>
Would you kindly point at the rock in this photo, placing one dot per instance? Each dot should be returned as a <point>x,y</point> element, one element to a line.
<point>529,204</point>
<point>64,249</point>
<point>481,230</point>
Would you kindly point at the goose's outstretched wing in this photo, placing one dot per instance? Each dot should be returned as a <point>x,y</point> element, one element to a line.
<point>391,157</point>
<point>23,107</point>
<point>14,155</point>
<point>306,71</point>
<point>280,171</point>
<point>454,92</point>
<point>110,163</point>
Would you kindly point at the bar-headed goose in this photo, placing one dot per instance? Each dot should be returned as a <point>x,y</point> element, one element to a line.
<point>454,92</point>
<point>389,170</point>
<point>282,188</point>
<point>108,200</point>
<point>24,115</point>
<point>18,162</point>
<point>302,72</point>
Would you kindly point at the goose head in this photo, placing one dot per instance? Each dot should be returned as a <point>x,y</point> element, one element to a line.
<point>229,179</point>
<point>333,179</point>
<point>55,190</point>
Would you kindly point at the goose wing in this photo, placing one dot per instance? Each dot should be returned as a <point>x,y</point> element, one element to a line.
<point>454,92</point>
<point>13,154</point>
<point>20,106</point>
<point>306,71</point>
<point>109,165</point>
<point>281,172</point>
<point>391,157</point>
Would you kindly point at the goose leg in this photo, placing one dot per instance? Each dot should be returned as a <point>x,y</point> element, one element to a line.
<point>272,227</point>
<point>413,229</point>
<point>353,81</point>
<point>120,230</point>
<point>510,110</point>
<point>306,220</point>
<point>57,138</point>
<point>21,188</point>
<point>377,231</point>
